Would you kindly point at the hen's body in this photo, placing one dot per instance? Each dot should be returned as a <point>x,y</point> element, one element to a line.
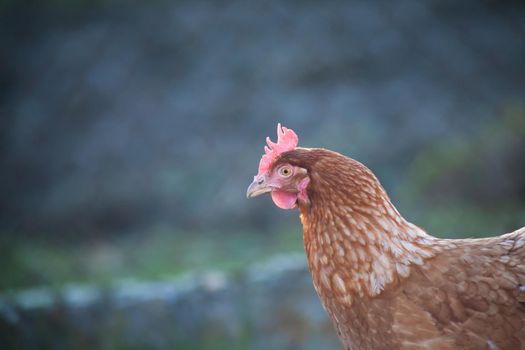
<point>465,297</point>
<point>384,282</point>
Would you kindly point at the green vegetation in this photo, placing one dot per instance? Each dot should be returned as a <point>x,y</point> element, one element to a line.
<point>158,254</point>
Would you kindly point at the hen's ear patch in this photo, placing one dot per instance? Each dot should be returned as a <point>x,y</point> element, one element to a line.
<point>287,140</point>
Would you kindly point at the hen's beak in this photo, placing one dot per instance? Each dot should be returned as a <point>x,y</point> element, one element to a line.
<point>257,187</point>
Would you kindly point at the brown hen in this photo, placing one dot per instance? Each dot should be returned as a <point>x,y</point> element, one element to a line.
<point>384,282</point>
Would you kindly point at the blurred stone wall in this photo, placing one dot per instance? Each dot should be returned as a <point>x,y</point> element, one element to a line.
<point>270,306</point>
<point>117,115</point>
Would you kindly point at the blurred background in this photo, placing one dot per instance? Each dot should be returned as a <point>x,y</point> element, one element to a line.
<point>130,130</point>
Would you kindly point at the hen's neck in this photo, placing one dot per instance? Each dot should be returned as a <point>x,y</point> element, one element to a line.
<point>358,244</point>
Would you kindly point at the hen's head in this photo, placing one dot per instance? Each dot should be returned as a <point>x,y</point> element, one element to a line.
<point>310,177</point>
<point>286,182</point>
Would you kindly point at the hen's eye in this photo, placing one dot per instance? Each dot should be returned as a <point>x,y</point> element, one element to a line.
<point>285,171</point>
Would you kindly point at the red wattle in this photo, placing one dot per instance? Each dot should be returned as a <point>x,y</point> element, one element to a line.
<point>284,200</point>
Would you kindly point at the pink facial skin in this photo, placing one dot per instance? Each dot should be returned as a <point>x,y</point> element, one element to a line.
<point>285,192</point>
<point>302,195</point>
<point>283,199</point>
<point>287,199</point>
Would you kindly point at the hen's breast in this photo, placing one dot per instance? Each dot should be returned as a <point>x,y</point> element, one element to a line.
<point>469,297</point>
<point>367,324</point>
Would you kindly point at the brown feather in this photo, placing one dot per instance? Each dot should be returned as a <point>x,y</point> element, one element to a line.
<point>386,284</point>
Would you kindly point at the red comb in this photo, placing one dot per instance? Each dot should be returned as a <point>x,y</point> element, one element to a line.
<point>287,140</point>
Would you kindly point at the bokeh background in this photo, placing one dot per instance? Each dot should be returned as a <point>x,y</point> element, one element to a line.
<point>130,130</point>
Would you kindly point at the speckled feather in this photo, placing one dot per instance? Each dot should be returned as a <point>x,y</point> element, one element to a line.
<point>386,284</point>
